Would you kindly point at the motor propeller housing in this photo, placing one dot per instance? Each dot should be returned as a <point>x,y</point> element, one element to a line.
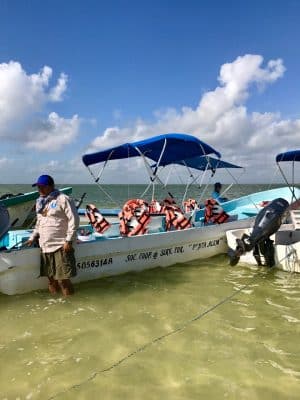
<point>267,222</point>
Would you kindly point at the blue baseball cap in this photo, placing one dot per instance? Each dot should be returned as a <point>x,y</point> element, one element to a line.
<point>44,180</point>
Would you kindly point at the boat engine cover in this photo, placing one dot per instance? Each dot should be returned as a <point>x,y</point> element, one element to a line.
<point>267,222</point>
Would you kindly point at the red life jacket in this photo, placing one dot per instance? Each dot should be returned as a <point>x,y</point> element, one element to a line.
<point>98,222</point>
<point>134,211</point>
<point>174,215</point>
<point>181,222</point>
<point>214,212</point>
<point>154,207</point>
<point>190,205</point>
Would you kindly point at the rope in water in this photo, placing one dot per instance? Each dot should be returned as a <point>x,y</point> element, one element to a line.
<point>183,326</point>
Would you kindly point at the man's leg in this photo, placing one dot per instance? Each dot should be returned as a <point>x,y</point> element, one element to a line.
<point>66,287</point>
<point>53,285</point>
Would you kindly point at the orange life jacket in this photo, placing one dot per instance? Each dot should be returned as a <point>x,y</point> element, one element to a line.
<point>154,207</point>
<point>214,212</point>
<point>190,205</point>
<point>98,222</point>
<point>134,209</point>
<point>174,215</point>
<point>181,222</point>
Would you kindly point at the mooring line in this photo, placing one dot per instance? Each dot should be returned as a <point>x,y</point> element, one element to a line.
<point>155,340</point>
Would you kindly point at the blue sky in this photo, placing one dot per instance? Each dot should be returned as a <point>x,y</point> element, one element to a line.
<point>81,76</point>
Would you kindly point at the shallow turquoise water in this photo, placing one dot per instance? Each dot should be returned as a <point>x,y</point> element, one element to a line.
<point>197,330</point>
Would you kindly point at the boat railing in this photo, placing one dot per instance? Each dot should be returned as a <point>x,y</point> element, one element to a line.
<point>295,217</point>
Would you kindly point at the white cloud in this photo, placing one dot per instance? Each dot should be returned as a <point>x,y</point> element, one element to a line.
<point>57,92</point>
<point>221,117</point>
<point>53,134</point>
<point>22,95</point>
<point>23,98</point>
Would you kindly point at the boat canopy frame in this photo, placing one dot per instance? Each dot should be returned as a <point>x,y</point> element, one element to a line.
<point>163,149</point>
<point>168,149</point>
<point>292,156</point>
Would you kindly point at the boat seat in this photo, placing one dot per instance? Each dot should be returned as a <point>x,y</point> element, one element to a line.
<point>86,233</point>
<point>295,217</point>
<point>113,230</point>
<point>157,223</point>
<point>15,238</point>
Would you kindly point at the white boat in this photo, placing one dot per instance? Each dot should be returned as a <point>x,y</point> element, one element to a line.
<point>100,255</point>
<point>285,241</point>
<point>20,206</point>
<point>286,245</point>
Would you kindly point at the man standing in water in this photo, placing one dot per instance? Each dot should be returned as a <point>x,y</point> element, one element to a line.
<point>55,229</point>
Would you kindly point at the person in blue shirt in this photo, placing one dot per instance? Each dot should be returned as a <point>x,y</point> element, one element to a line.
<point>216,194</point>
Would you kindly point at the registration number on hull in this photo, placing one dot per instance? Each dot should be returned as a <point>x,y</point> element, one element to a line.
<point>97,263</point>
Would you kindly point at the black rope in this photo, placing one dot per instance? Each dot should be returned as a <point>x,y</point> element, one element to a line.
<point>155,340</point>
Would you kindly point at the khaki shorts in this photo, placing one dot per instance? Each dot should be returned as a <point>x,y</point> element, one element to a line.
<point>59,264</point>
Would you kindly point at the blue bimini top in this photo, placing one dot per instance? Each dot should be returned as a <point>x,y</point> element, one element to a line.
<point>207,162</point>
<point>166,149</point>
<point>293,155</point>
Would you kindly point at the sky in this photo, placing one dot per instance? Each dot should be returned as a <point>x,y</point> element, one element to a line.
<point>77,77</point>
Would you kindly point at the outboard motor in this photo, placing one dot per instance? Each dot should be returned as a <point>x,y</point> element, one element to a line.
<point>267,222</point>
